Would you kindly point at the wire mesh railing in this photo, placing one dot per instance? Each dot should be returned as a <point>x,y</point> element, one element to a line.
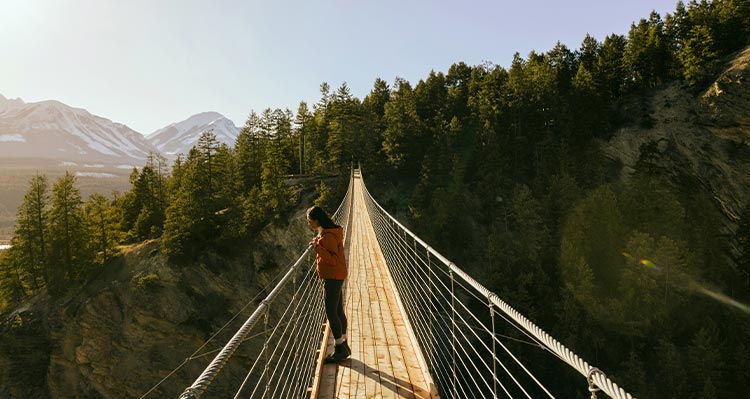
<point>457,323</point>
<point>291,317</point>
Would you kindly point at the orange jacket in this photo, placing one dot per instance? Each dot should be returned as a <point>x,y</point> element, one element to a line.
<point>330,260</point>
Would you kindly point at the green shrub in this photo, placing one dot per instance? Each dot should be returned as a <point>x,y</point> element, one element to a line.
<point>149,281</point>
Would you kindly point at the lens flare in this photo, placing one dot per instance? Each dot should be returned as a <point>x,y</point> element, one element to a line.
<point>644,262</point>
<point>680,280</point>
<point>722,298</point>
<point>648,263</point>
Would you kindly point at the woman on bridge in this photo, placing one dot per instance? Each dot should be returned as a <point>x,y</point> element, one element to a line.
<point>331,268</point>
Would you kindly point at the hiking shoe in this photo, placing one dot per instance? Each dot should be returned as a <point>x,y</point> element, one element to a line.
<point>346,350</point>
<point>340,353</point>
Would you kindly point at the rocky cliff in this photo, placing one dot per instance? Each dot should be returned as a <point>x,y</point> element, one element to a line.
<point>701,136</point>
<point>137,321</point>
<point>725,105</point>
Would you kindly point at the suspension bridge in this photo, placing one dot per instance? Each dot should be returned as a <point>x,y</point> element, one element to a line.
<point>414,328</point>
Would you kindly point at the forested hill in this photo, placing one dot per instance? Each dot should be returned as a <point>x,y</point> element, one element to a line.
<point>603,191</point>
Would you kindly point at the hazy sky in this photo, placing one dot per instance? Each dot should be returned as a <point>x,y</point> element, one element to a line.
<point>148,63</point>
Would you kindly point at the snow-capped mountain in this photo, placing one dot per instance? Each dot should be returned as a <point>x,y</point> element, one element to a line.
<point>179,138</point>
<point>51,129</point>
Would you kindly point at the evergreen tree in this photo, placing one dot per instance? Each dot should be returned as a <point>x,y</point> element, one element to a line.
<point>589,53</point>
<point>647,57</point>
<point>145,204</point>
<point>203,213</point>
<point>303,125</point>
<point>671,371</point>
<point>345,125</point>
<point>283,134</point>
<point>610,72</point>
<point>648,287</point>
<point>403,135</point>
<point>325,198</point>
<point>175,180</point>
<point>516,249</point>
<point>532,97</point>
<point>532,234</point>
<point>493,152</point>
<point>273,175</point>
<point>29,246</point>
<point>317,137</point>
<point>698,54</point>
<point>12,290</point>
<point>249,148</point>
<point>373,114</point>
<point>563,61</point>
<point>102,221</point>
<point>705,363</point>
<point>589,112</point>
<point>457,81</point>
<point>634,375</point>
<point>592,242</point>
<point>131,206</point>
<point>654,208</point>
<point>70,255</point>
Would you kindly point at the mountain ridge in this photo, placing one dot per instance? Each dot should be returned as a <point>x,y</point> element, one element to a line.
<point>54,130</point>
<point>178,137</point>
<point>51,129</point>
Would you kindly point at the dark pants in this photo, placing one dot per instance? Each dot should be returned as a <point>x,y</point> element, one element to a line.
<point>334,301</point>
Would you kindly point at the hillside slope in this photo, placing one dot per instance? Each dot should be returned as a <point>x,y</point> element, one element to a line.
<point>703,136</point>
<point>137,321</point>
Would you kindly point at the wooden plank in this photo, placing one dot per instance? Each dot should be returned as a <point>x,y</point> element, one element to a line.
<point>422,381</point>
<point>380,344</point>
<point>401,376</point>
<point>384,363</point>
<point>315,389</point>
<point>414,364</point>
<point>356,369</point>
<point>372,380</point>
<point>384,322</point>
<point>345,373</point>
<point>328,389</point>
<point>358,339</point>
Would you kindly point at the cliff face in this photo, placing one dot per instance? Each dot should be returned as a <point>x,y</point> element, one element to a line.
<point>131,326</point>
<point>725,105</point>
<point>703,137</point>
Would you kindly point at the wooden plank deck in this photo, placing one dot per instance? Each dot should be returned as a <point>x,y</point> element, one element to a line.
<point>385,362</point>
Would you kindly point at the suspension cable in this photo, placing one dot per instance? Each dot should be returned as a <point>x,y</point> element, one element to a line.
<point>437,297</point>
<point>477,290</point>
<point>195,355</point>
<point>312,318</point>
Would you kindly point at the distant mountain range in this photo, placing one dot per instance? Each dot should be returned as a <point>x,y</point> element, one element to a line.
<point>53,130</point>
<point>178,138</point>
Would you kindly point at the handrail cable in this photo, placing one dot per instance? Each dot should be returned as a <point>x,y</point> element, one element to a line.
<point>489,332</point>
<point>592,374</point>
<point>437,297</point>
<point>195,355</point>
<point>314,317</point>
<point>484,363</point>
<point>421,262</point>
<point>408,294</point>
<point>273,333</point>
